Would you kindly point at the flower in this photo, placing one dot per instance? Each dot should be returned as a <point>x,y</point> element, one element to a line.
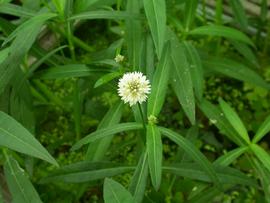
<point>133,87</point>
<point>119,58</point>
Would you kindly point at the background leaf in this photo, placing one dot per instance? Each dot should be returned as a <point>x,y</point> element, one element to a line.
<point>114,192</point>
<point>21,188</point>
<point>155,11</point>
<point>14,136</point>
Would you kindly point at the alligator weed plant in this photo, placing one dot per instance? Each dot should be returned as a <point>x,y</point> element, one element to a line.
<point>134,101</point>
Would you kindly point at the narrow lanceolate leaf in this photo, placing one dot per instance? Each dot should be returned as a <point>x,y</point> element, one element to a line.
<point>216,117</point>
<point>36,20</point>
<point>19,47</point>
<point>190,12</point>
<point>226,175</point>
<point>86,171</point>
<point>14,136</point>
<point>160,83</point>
<point>155,11</point>
<point>239,13</point>
<point>106,78</point>
<point>4,54</point>
<point>264,176</point>
<point>68,71</point>
<point>19,185</point>
<point>114,192</point>
<point>97,149</point>
<point>222,31</point>
<point>246,52</point>
<point>235,70</point>
<point>107,132</point>
<point>262,155</point>
<point>195,69</point>
<point>133,34</point>
<point>234,120</point>
<point>139,180</point>
<point>262,131</point>
<point>181,78</point>
<point>231,156</point>
<point>193,152</point>
<point>115,15</point>
<point>16,10</point>
<point>154,152</point>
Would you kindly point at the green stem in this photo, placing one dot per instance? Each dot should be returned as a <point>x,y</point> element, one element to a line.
<point>70,41</point>
<point>141,113</point>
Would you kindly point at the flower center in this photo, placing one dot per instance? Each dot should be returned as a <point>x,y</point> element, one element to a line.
<point>134,87</point>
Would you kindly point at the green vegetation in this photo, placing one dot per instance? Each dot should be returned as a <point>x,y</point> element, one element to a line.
<point>200,135</point>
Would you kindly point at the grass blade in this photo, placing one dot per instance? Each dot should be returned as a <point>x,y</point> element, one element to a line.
<point>239,13</point>
<point>190,12</point>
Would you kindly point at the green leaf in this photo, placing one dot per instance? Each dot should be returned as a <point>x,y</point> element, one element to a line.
<point>195,68</point>
<point>68,71</point>
<point>226,175</point>
<point>181,79</point>
<point>193,152</point>
<point>106,132</point>
<point>36,20</point>
<point>19,47</point>
<point>264,176</point>
<point>86,171</point>
<point>154,152</point>
<point>16,10</point>
<point>246,52</point>
<point>216,117</point>
<point>14,136</point>
<point>114,192</point>
<point>133,34</point>
<point>231,156</point>
<point>155,11</point>
<point>44,58</point>
<point>97,149</point>
<point>160,83</point>
<point>139,180</point>
<point>115,15</point>
<point>262,131</point>
<point>235,70</point>
<point>234,120</point>
<point>21,188</point>
<point>106,78</point>
<point>239,13</point>
<point>222,31</point>
<point>262,155</point>
<point>4,54</point>
<point>190,12</point>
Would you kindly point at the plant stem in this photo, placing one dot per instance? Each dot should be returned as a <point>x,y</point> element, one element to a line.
<point>143,120</point>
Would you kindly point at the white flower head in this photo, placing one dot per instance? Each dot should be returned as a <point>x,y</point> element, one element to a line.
<point>119,58</point>
<point>133,87</point>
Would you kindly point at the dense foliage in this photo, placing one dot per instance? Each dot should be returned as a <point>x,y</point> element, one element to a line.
<point>200,135</point>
